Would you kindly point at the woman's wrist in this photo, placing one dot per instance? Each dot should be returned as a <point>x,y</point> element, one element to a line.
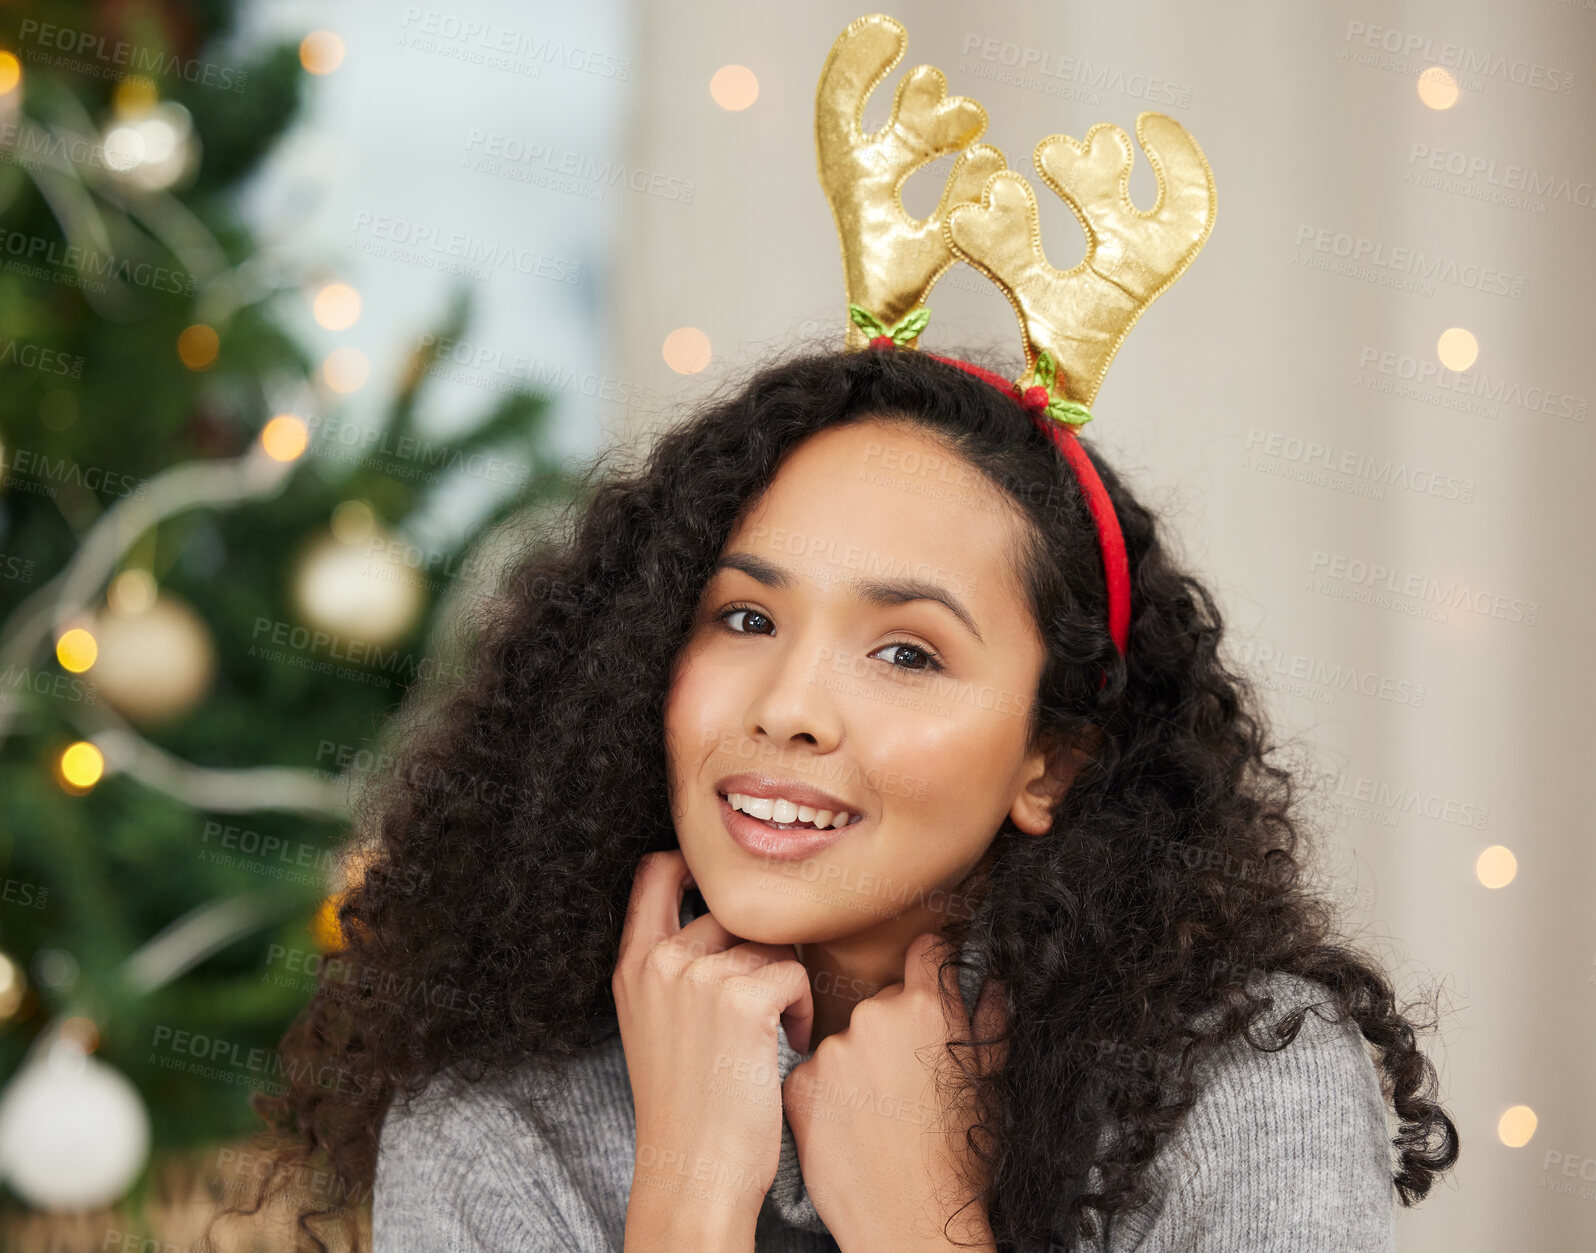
<point>669,1212</point>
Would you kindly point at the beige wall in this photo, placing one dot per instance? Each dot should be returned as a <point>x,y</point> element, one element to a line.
<point>1464,729</point>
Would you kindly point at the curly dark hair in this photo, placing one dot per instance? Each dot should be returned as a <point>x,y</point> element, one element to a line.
<point>502,848</point>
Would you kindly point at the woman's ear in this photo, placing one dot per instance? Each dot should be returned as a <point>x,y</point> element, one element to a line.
<point>1050,770</point>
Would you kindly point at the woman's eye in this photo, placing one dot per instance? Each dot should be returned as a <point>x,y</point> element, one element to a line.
<point>931,662</point>
<point>733,610</point>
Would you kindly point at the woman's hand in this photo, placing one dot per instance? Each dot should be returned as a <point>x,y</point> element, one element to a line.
<point>884,1158</point>
<point>698,1010</point>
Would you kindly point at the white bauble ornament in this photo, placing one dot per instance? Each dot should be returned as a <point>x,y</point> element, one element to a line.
<point>74,1133</point>
<point>360,590</point>
<point>155,663</point>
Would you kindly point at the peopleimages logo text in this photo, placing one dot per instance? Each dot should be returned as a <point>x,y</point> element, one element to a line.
<point>1436,267</point>
<point>129,57</point>
<point>1461,57</point>
<point>1505,175</point>
<point>1449,594</point>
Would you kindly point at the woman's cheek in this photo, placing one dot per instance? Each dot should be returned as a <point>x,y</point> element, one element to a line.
<point>693,722</point>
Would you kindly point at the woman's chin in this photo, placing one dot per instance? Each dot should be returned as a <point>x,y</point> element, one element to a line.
<point>768,921</point>
<point>761,928</point>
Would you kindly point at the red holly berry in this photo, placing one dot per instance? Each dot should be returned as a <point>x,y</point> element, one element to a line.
<point>1035,397</point>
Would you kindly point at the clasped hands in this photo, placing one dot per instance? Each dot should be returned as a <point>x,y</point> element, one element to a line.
<point>878,1112</point>
<point>881,1144</point>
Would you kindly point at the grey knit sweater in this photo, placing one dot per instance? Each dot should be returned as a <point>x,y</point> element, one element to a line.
<point>1282,1151</point>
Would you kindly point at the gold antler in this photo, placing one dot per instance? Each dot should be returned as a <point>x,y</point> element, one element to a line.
<point>1079,317</point>
<point>890,260</point>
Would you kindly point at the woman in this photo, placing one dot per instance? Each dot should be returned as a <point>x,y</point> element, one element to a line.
<point>1021,991</point>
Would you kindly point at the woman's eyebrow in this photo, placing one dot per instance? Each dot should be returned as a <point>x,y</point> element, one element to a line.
<point>879,592</point>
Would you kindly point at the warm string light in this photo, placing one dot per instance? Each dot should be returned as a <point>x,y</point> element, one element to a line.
<point>131,592</point>
<point>734,87</point>
<point>345,370</point>
<point>198,346</point>
<point>686,350</point>
<point>336,307</point>
<point>13,987</point>
<point>80,766</point>
<point>1437,87</point>
<point>321,52</point>
<point>1457,348</point>
<point>10,72</point>
<point>353,522</point>
<point>1516,1126</point>
<point>285,437</point>
<point>1496,867</point>
<point>134,95</point>
<point>76,650</point>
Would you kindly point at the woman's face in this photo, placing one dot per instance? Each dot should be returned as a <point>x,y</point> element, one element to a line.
<point>841,669</point>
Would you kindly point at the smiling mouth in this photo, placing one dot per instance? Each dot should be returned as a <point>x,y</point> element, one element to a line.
<point>853,820</point>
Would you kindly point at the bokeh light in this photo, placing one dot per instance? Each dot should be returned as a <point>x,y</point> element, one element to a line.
<point>345,370</point>
<point>734,87</point>
<point>1496,866</point>
<point>81,764</point>
<point>686,350</point>
<point>324,927</point>
<point>1457,348</point>
<point>81,1033</point>
<point>1437,87</point>
<point>285,437</point>
<point>76,650</point>
<point>336,307</point>
<point>12,987</point>
<point>353,522</point>
<point>1516,1126</point>
<point>198,346</point>
<point>321,52</point>
<point>135,94</point>
<point>131,592</point>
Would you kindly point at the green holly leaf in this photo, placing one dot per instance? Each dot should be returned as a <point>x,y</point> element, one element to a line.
<point>1044,370</point>
<point>1068,412</point>
<point>866,320</point>
<point>910,325</point>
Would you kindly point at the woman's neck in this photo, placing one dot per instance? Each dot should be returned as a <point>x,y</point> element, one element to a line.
<point>853,968</point>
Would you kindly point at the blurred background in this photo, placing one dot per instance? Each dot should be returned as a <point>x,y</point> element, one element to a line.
<point>304,308</point>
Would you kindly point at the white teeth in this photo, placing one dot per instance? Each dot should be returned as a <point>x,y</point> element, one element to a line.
<point>758,807</point>
<point>780,810</point>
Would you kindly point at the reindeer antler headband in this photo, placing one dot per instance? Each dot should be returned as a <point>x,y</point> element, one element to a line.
<point>1073,321</point>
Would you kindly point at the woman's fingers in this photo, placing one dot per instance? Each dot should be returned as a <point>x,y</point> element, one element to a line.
<point>737,958</point>
<point>798,1019</point>
<point>784,984</point>
<point>653,915</point>
<point>654,911</point>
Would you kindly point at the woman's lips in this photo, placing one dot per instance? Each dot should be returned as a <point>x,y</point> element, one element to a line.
<point>767,841</point>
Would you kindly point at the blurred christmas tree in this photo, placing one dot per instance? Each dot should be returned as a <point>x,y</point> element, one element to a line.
<point>209,601</point>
